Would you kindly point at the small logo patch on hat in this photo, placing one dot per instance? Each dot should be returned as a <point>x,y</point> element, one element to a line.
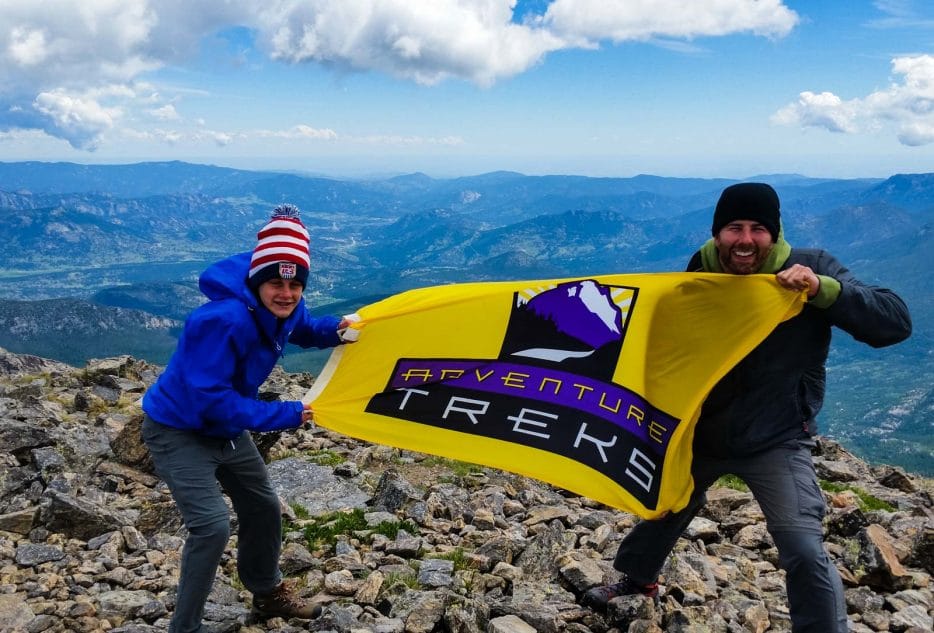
<point>287,270</point>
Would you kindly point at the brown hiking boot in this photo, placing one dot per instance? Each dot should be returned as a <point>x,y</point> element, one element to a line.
<point>283,602</point>
<point>598,597</point>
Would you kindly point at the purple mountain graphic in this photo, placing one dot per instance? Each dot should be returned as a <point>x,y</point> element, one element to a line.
<point>582,310</point>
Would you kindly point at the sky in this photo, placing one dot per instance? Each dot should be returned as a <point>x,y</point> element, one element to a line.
<point>357,88</point>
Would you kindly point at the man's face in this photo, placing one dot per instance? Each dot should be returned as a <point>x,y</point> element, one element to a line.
<point>280,296</point>
<point>742,246</point>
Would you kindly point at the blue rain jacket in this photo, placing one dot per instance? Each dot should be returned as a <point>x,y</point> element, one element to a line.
<point>226,351</point>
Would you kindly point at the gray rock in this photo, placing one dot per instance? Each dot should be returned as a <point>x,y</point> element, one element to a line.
<point>296,558</point>
<point>79,518</point>
<point>32,554</point>
<point>393,492</point>
<point>435,573</point>
<point>15,613</point>
<point>14,365</point>
<point>314,487</point>
<point>18,438</point>
<point>125,604</point>
<point>913,615</point>
<point>510,624</point>
<point>20,522</point>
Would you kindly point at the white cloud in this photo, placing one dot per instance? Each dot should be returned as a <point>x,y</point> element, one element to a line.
<point>915,134</point>
<point>477,40</point>
<point>901,13</point>
<point>825,110</point>
<point>31,136</point>
<point>300,132</point>
<point>60,60</point>
<point>221,139</point>
<point>396,139</point>
<point>176,137</point>
<point>306,132</point>
<point>27,47</point>
<point>75,53</point>
<point>625,20</point>
<point>165,113</point>
<point>426,42</point>
<point>78,42</point>
<point>908,106</point>
<point>169,137</point>
<point>78,120</point>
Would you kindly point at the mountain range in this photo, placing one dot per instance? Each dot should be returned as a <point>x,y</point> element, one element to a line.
<point>100,260</point>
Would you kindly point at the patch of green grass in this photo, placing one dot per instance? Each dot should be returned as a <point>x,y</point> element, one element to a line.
<point>852,549</point>
<point>457,557</point>
<point>733,482</point>
<point>26,379</point>
<point>324,530</point>
<point>472,581</point>
<point>409,580</point>
<point>867,502</point>
<point>458,468</point>
<point>324,457</point>
<point>300,511</point>
<point>390,529</point>
<point>235,581</point>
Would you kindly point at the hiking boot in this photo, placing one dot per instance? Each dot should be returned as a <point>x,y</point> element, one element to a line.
<point>285,603</point>
<point>598,597</point>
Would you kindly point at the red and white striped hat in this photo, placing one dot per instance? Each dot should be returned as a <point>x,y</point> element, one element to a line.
<point>282,251</point>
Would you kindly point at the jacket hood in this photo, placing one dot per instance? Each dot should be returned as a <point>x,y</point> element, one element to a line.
<point>227,279</point>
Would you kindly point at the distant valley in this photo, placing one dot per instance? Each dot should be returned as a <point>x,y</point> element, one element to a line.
<point>103,260</point>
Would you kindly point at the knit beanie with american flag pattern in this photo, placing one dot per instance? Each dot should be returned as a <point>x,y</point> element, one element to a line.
<point>282,250</point>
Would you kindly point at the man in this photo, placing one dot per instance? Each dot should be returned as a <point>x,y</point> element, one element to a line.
<point>758,421</point>
<point>200,412</point>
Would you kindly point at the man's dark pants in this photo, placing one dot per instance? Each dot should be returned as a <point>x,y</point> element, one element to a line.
<point>192,466</point>
<point>784,483</point>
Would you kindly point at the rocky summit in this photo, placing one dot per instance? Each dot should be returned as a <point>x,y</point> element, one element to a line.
<point>391,541</point>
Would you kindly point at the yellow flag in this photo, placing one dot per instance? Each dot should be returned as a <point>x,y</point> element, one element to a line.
<point>591,384</point>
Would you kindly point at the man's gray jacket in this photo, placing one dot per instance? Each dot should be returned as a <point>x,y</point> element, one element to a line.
<point>774,394</point>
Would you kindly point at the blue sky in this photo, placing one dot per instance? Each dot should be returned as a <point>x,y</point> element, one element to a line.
<point>709,88</point>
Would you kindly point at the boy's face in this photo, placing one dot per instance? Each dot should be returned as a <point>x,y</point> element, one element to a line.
<point>742,246</point>
<point>280,296</point>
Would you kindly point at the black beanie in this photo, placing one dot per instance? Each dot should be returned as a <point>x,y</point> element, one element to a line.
<point>754,201</point>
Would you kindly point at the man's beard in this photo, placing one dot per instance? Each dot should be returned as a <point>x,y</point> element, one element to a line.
<point>745,265</point>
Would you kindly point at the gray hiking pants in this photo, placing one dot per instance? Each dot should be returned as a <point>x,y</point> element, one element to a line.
<point>192,466</point>
<point>784,483</point>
